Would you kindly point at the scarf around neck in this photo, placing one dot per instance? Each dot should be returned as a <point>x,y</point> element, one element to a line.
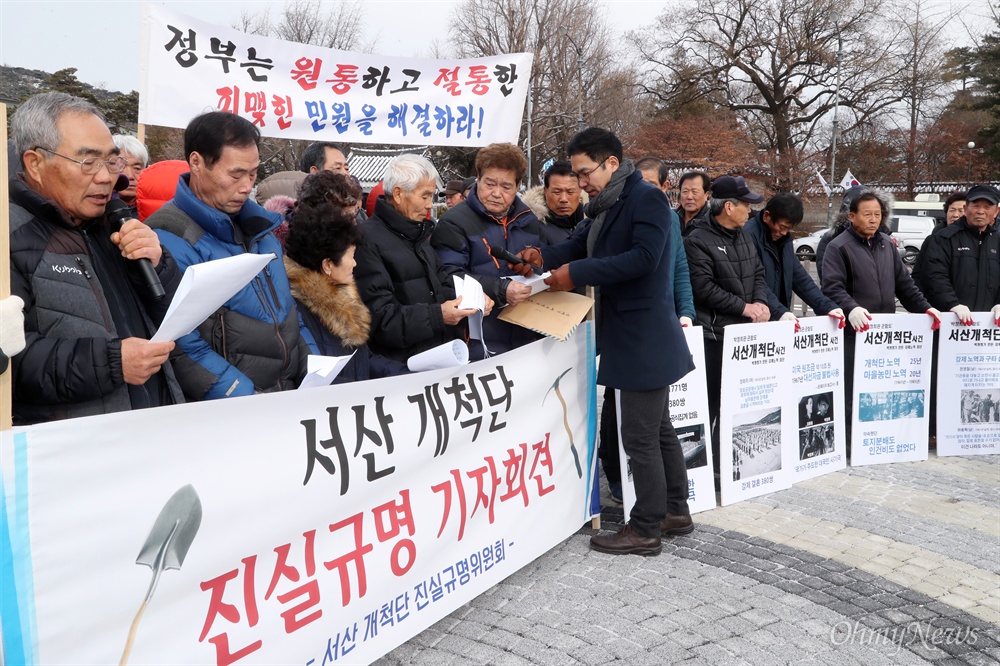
<point>605,199</point>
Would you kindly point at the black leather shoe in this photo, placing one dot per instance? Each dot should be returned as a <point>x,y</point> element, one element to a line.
<point>675,525</point>
<point>625,542</point>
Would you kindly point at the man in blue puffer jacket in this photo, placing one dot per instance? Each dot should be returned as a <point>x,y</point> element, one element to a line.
<point>252,344</point>
<point>492,214</point>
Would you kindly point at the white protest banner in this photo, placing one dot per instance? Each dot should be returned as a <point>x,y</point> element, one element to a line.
<point>317,526</point>
<point>892,378</point>
<point>968,387</point>
<point>817,360</point>
<point>298,91</point>
<point>754,419</point>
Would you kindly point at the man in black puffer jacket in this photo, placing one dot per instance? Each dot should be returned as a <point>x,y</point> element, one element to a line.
<point>399,276</point>
<point>727,279</point>
<point>88,317</point>
<point>962,261</point>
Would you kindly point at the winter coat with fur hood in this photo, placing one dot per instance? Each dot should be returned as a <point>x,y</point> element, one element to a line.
<point>336,323</point>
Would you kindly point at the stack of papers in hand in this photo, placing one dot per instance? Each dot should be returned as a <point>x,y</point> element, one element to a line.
<point>471,293</point>
<point>204,288</point>
<point>536,282</point>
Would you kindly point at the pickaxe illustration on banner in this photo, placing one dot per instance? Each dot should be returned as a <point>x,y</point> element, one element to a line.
<point>572,446</point>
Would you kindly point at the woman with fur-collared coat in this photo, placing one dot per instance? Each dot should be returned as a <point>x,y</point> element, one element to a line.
<point>319,260</point>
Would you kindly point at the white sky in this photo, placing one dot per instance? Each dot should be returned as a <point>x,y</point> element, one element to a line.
<point>101,39</point>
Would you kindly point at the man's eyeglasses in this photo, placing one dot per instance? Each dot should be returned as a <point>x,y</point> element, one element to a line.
<point>92,165</point>
<point>585,175</point>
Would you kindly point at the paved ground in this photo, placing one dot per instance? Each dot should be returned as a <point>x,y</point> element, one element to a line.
<point>889,564</point>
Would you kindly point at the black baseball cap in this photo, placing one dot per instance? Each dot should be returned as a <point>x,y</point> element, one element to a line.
<point>729,187</point>
<point>987,192</point>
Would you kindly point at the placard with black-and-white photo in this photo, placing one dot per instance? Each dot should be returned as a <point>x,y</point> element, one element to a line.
<point>689,416</point>
<point>968,397</point>
<point>754,421</point>
<point>817,360</point>
<point>892,375</point>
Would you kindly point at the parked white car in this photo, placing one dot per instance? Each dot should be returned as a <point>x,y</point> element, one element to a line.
<point>909,232</point>
<point>805,247</point>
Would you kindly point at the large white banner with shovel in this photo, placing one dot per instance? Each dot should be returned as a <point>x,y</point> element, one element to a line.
<point>313,526</point>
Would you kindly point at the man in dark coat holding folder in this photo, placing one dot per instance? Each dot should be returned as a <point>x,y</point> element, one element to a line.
<point>623,250</point>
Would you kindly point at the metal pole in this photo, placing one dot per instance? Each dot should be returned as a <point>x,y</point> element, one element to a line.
<point>529,184</point>
<point>579,89</point>
<point>579,79</point>
<point>833,145</point>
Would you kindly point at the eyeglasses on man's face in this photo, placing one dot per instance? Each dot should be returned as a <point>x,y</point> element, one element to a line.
<point>585,175</point>
<point>92,165</point>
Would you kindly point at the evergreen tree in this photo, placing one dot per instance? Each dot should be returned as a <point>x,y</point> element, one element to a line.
<point>65,81</point>
<point>987,70</point>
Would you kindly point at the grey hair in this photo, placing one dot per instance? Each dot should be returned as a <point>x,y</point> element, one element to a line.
<point>33,124</point>
<point>131,145</point>
<point>406,172</point>
<point>715,206</point>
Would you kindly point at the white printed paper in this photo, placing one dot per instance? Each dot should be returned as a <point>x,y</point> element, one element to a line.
<point>817,400</point>
<point>473,298</point>
<point>322,370</point>
<point>536,282</point>
<point>447,355</point>
<point>204,288</point>
<point>892,379</point>
<point>753,423</point>
<point>968,387</point>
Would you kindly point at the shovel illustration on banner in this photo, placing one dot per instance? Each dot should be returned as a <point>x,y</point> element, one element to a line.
<point>166,546</point>
<point>572,446</point>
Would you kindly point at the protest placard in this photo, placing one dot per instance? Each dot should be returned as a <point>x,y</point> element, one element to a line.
<point>755,419</point>
<point>892,375</point>
<point>817,400</point>
<point>968,387</point>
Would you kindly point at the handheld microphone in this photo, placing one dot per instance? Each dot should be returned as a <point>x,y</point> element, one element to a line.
<point>499,253</point>
<point>118,212</point>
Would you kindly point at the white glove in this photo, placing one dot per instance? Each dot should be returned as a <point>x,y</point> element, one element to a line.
<point>686,321</point>
<point>11,325</point>
<point>859,319</point>
<point>963,313</point>
<point>788,316</point>
<point>838,314</point>
<point>936,316</point>
<point>996,314</point>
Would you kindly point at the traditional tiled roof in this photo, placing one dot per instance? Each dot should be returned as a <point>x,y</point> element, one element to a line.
<point>368,164</point>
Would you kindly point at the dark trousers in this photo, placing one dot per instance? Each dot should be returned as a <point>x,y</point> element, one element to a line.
<point>656,459</point>
<point>608,447</point>
<point>713,381</point>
